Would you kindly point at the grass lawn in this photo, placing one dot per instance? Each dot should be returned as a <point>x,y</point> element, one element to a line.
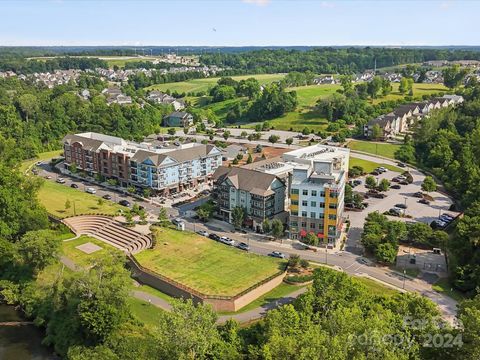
<point>375,287</point>
<point>279,292</point>
<point>152,291</point>
<point>418,91</point>
<point>83,259</point>
<point>54,196</point>
<point>40,157</point>
<point>309,95</point>
<point>382,149</point>
<point>444,287</point>
<point>369,166</point>
<point>196,85</point>
<point>146,313</point>
<point>205,265</point>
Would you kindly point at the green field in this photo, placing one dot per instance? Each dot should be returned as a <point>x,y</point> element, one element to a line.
<point>196,85</point>
<point>205,265</point>
<point>83,259</point>
<point>40,157</point>
<point>54,196</point>
<point>444,286</point>
<point>382,149</point>
<point>375,287</point>
<point>369,166</point>
<point>418,91</point>
<point>146,313</point>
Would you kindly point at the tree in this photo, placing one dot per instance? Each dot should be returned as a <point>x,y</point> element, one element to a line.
<point>312,239</point>
<point>346,81</point>
<point>289,141</point>
<point>377,132</point>
<point>370,182</point>
<point>249,158</point>
<point>235,161</point>
<point>28,104</point>
<point>374,86</point>
<point>131,189</point>
<point>273,138</point>
<point>277,228</point>
<point>162,216</point>
<point>386,253</point>
<point>429,184</point>
<point>243,134</point>
<point>186,129</point>
<point>266,226</point>
<point>406,153</point>
<point>294,261</point>
<point>226,135</point>
<point>384,185</point>
<point>453,76</point>
<point>39,249</point>
<point>172,131</point>
<point>238,214</point>
<point>147,192</point>
<point>68,205</point>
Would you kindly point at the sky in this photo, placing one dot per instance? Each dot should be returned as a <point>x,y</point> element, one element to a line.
<point>238,22</point>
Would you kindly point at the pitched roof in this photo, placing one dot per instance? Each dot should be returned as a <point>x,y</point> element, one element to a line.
<point>142,155</point>
<point>179,114</point>
<point>87,143</point>
<point>180,155</point>
<point>255,182</point>
<point>404,109</point>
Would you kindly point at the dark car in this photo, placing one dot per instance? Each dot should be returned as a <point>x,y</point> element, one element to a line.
<point>401,206</point>
<point>395,186</point>
<point>243,246</point>
<point>124,203</point>
<point>401,164</point>
<point>75,186</point>
<point>403,182</point>
<point>107,197</point>
<point>418,194</point>
<point>375,173</point>
<point>214,237</point>
<point>424,201</point>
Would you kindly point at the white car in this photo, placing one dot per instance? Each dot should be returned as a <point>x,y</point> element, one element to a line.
<point>203,233</point>
<point>382,169</point>
<point>227,241</point>
<point>90,190</point>
<point>61,180</point>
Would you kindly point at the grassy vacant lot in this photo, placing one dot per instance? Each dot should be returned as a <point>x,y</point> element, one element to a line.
<point>418,91</point>
<point>375,287</point>
<point>369,166</point>
<point>146,313</point>
<point>444,287</point>
<point>196,85</point>
<point>54,196</point>
<point>205,265</point>
<point>382,149</point>
<point>83,259</point>
<point>40,157</point>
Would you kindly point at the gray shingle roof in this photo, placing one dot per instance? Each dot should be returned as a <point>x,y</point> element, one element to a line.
<point>255,182</point>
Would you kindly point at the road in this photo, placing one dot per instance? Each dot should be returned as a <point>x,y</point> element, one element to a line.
<point>347,261</point>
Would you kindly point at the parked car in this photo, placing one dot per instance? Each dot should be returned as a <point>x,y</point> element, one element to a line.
<point>401,164</point>
<point>424,201</point>
<point>377,195</point>
<point>107,197</point>
<point>124,203</point>
<point>418,194</point>
<point>375,173</point>
<point>203,233</point>
<point>403,182</point>
<point>277,254</point>
<point>357,182</point>
<point>90,190</point>
<point>60,180</point>
<point>401,206</point>
<point>438,224</point>
<point>177,221</point>
<point>396,212</point>
<point>214,237</point>
<point>243,246</point>
<point>48,177</point>
<point>382,169</point>
<point>227,241</point>
<point>445,218</point>
<point>74,186</point>
<point>395,186</point>
<point>448,216</point>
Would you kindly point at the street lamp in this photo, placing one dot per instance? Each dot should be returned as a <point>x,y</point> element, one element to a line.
<point>404,277</point>
<point>326,255</point>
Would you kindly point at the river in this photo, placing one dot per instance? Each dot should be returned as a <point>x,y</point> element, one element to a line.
<point>23,342</point>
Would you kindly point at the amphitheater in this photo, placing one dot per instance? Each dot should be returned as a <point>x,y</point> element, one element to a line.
<point>110,231</point>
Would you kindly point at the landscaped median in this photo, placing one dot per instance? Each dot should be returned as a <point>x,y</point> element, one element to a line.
<point>211,272</point>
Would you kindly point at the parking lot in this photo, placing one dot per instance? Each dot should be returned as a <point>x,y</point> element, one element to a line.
<point>415,211</point>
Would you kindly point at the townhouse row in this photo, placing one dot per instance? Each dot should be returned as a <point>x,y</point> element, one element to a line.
<point>304,188</point>
<point>404,116</point>
<point>163,170</point>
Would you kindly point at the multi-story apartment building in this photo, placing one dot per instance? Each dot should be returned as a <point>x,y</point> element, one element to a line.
<point>317,190</point>
<point>262,195</point>
<point>140,164</point>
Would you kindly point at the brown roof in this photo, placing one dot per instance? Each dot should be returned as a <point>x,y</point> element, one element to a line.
<point>87,143</point>
<point>255,182</point>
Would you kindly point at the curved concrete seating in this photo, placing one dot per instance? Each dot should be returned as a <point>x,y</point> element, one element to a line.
<point>110,231</point>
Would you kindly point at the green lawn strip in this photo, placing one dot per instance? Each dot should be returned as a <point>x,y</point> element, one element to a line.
<point>375,287</point>
<point>205,265</point>
<point>40,157</point>
<point>146,313</point>
<point>369,166</point>
<point>54,196</point>
<point>81,258</point>
<point>297,121</point>
<point>444,287</point>
<point>277,293</point>
<point>382,149</point>
<point>152,291</point>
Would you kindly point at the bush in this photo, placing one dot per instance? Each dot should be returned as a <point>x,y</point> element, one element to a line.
<point>299,278</point>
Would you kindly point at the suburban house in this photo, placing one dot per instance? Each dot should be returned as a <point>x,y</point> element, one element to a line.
<point>115,96</point>
<point>178,119</point>
<point>162,98</point>
<point>138,164</point>
<point>262,195</point>
<point>232,150</point>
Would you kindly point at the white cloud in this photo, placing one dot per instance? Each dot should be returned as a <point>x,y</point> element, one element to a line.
<point>257,2</point>
<point>327,4</point>
<point>445,5</point>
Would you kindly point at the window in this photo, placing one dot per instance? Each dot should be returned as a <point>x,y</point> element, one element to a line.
<point>313,215</point>
<point>304,214</point>
<point>294,213</point>
<point>304,203</point>
<point>314,192</point>
<point>313,203</point>
<point>332,206</point>
<point>333,194</point>
<point>294,224</point>
<point>322,204</point>
<point>322,193</point>
<point>294,202</point>
<point>294,191</point>
<point>305,192</point>
<point>304,224</point>
<point>312,225</point>
<point>332,217</point>
<point>321,215</point>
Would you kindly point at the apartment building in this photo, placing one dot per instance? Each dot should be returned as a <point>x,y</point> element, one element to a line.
<point>262,195</point>
<point>163,170</point>
<point>317,190</point>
